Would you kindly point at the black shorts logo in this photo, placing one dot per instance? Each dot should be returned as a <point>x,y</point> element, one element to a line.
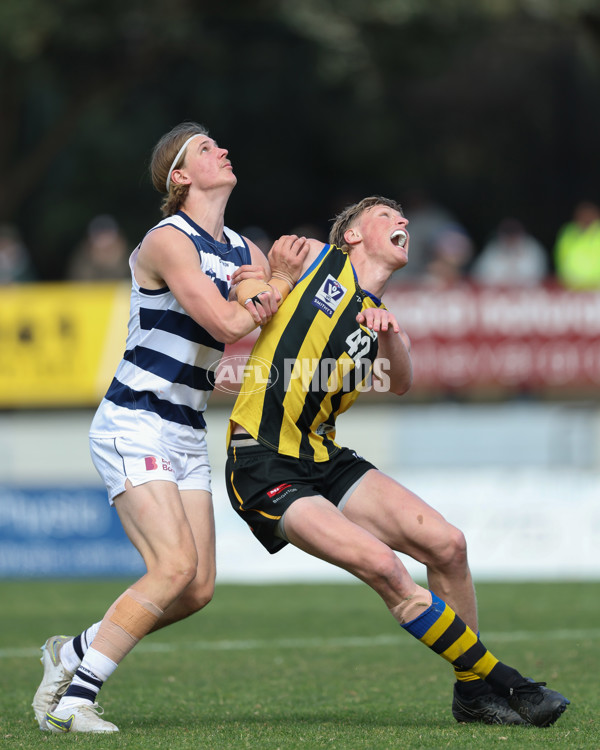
<point>278,489</point>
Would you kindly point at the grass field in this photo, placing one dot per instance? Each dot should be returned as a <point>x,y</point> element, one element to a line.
<point>303,666</point>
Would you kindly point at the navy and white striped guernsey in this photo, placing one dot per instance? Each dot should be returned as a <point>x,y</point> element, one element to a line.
<point>161,385</point>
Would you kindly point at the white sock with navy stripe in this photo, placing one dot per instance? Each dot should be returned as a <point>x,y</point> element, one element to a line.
<point>93,671</point>
<point>74,650</point>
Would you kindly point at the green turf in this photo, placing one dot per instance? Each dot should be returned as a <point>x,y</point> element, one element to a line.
<point>303,666</point>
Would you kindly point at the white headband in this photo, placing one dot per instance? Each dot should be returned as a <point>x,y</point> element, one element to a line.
<point>176,159</point>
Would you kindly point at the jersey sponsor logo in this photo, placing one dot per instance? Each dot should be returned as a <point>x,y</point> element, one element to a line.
<point>329,295</point>
<point>278,489</point>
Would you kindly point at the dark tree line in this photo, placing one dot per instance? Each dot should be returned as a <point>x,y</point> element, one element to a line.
<point>494,113</point>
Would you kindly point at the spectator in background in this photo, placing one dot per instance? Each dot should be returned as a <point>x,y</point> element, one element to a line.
<point>452,250</point>
<point>15,263</point>
<point>103,255</point>
<point>439,246</point>
<point>512,257</point>
<point>427,218</point>
<point>577,248</point>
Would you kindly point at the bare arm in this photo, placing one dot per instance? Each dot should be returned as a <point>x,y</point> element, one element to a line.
<point>168,258</point>
<point>393,357</point>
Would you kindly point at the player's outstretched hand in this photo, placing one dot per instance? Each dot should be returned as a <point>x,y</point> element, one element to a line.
<point>376,319</point>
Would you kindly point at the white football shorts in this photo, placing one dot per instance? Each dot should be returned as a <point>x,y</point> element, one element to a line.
<point>145,460</point>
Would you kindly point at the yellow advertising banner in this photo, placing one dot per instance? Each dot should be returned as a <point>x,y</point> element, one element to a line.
<point>60,343</point>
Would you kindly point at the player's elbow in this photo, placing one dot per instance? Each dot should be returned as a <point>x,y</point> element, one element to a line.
<point>401,387</point>
<point>400,382</point>
<point>396,380</point>
<point>227,335</point>
<point>231,326</point>
<point>230,334</point>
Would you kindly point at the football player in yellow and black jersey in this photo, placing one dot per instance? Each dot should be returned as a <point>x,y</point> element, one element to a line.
<point>292,483</point>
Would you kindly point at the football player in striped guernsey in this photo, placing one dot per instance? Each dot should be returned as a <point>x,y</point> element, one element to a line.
<point>148,437</point>
<point>291,482</point>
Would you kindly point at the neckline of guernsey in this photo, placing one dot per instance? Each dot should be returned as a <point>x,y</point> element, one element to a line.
<point>319,258</point>
<point>204,234</point>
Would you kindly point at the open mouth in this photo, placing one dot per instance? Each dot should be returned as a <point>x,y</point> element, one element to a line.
<point>399,238</point>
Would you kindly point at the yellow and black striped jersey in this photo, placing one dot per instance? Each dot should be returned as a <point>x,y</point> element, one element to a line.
<point>310,362</point>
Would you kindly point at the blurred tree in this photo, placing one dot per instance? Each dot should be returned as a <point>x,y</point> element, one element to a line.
<point>320,101</point>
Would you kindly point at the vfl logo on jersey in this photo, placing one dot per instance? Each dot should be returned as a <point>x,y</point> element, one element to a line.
<point>329,295</point>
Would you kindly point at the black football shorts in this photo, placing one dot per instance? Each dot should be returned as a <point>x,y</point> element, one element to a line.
<point>262,484</point>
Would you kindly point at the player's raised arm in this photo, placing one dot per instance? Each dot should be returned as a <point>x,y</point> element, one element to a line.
<point>180,270</point>
<point>393,357</point>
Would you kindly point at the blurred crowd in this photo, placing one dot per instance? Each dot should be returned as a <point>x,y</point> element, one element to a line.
<point>101,255</point>
<point>442,251</point>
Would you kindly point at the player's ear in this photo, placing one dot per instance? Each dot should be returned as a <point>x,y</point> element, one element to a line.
<point>352,235</point>
<point>179,177</point>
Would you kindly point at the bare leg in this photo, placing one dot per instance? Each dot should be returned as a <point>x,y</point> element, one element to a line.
<point>155,520</point>
<point>199,592</point>
<point>319,528</point>
<point>404,522</point>
<point>316,526</point>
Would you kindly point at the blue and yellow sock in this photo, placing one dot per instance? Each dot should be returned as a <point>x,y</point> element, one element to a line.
<point>442,630</point>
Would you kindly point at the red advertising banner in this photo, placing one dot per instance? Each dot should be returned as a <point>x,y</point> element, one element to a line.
<point>478,338</point>
<point>481,337</point>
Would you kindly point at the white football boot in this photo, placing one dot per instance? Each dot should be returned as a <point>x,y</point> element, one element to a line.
<point>81,717</point>
<point>55,681</point>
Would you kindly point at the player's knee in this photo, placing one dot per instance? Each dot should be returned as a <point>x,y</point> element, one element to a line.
<point>383,568</point>
<point>179,569</point>
<point>198,594</point>
<point>452,550</point>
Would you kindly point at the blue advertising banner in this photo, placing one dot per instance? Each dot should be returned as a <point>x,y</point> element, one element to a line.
<point>62,532</point>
